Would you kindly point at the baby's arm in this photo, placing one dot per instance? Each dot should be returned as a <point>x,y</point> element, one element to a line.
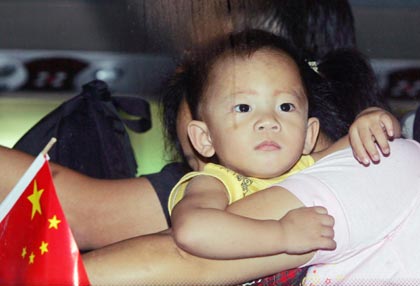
<point>202,226</point>
<point>373,127</point>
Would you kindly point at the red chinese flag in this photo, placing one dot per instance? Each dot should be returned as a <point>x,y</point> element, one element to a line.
<point>37,246</point>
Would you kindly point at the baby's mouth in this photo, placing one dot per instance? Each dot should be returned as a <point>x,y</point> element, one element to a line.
<point>268,146</point>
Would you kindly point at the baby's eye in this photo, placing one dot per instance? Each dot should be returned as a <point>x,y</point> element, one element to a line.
<point>287,107</point>
<point>242,108</point>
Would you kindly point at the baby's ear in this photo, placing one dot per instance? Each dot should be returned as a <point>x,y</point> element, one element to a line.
<point>312,132</point>
<point>199,135</point>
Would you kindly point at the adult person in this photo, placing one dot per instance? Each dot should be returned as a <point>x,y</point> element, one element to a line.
<point>124,211</point>
<point>155,259</point>
<point>159,262</point>
<point>118,206</point>
<point>136,207</point>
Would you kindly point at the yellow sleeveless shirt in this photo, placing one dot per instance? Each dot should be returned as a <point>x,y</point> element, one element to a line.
<point>237,186</point>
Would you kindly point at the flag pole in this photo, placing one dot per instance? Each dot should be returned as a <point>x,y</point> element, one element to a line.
<point>24,181</point>
<point>48,146</point>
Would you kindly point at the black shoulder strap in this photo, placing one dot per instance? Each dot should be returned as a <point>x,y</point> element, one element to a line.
<point>416,127</point>
<point>134,106</point>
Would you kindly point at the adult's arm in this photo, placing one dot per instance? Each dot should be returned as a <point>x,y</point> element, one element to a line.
<point>100,212</point>
<point>156,260</point>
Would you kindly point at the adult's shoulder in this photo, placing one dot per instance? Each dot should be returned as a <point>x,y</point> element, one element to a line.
<point>400,149</point>
<point>375,197</point>
<point>340,169</point>
<point>405,146</point>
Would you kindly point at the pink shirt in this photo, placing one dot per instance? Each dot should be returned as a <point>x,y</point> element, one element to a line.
<point>377,216</point>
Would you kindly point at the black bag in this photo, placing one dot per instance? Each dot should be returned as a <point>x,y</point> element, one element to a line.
<point>91,136</point>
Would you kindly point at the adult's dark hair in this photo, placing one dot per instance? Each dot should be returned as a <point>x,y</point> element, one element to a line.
<point>353,87</point>
<point>172,94</point>
<point>315,27</point>
<point>329,26</point>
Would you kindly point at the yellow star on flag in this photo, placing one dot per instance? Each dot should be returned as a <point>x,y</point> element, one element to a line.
<point>54,222</point>
<point>31,258</point>
<point>23,252</point>
<point>43,247</point>
<point>34,199</point>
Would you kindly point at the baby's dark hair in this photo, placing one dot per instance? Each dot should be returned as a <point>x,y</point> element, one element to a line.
<point>241,45</point>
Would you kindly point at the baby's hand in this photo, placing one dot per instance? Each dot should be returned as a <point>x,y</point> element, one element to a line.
<point>373,127</point>
<point>306,229</point>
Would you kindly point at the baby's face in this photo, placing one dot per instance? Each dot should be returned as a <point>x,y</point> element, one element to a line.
<point>256,111</point>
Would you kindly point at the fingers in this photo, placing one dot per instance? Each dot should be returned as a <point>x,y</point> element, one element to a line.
<point>327,244</point>
<point>367,136</point>
<point>366,140</point>
<point>326,240</point>
<point>314,230</point>
<point>358,148</point>
<point>372,130</point>
<point>326,231</point>
<point>388,125</point>
<point>391,125</point>
<point>320,210</point>
<point>325,219</point>
<point>380,137</point>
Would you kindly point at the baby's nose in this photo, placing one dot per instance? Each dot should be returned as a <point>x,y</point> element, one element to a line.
<point>268,125</point>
